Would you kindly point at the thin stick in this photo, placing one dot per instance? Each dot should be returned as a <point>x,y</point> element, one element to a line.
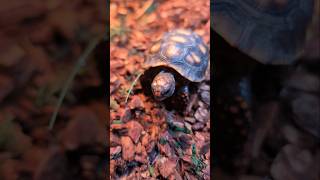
<point>132,85</point>
<point>79,64</point>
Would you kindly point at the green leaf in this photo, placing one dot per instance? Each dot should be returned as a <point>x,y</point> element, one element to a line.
<point>117,122</point>
<point>162,141</point>
<point>152,8</point>
<point>151,170</point>
<point>113,104</point>
<point>198,163</point>
<point>132,85</point>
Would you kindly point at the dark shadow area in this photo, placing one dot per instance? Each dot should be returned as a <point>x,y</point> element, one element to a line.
<point>266,117</point>
<point>40,46</point>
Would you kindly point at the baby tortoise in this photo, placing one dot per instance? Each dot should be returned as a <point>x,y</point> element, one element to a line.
<point>175,65</point>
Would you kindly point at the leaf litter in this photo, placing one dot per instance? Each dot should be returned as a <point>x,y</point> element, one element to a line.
<point>156,138</point>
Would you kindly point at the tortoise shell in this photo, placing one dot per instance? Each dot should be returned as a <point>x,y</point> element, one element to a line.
<point>182,50</point>
<point>270,31</point>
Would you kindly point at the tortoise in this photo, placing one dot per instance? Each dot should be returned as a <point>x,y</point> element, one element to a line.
<point>270,31</point>
<point>175,65</point>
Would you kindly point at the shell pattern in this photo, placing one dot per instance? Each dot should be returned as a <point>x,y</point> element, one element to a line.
<point>182,50</point>
<point>270,31</point>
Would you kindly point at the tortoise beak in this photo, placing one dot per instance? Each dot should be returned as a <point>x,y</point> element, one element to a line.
<point>157,96</point>
<point>157,93</point>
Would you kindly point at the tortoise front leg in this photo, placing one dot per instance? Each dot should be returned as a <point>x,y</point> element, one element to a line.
<point>180,100</point>
<point>184,93</point>
<point>183,98</point>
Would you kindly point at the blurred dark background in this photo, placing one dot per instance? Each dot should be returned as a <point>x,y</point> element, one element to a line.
<point>41,42</point>
<point>266,117</point>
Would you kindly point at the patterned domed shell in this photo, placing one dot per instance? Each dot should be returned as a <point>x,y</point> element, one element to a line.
<point>182,50</point>
<point>270,31</point>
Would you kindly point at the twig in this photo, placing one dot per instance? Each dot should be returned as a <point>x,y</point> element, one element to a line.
<point>132,85</point>
<point>76,69</point>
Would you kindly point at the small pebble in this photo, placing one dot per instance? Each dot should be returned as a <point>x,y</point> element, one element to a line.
<point>198,126</point>
<point>178,124</point>
<point>190,119</point>
<point>201,114</point>
<point>200,103</point>
<point>188,126</point>
<point>205,87</point>
<point>205,96</point>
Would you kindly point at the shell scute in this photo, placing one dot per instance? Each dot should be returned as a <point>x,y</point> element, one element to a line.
<point>182,50</point>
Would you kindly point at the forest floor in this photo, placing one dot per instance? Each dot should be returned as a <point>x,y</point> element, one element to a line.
<point>143,144</point>
<point>273,135</point>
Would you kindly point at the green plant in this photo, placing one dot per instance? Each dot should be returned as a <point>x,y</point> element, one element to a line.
<point>132,85</point>
<point>197,161</point>
<point>80,63</point>
<point>151,170</point>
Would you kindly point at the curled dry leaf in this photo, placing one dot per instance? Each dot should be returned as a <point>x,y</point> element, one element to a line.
<point>166,166</point>
<point>128,148</point>
<point>154,131</point>
<point>141,159</point>
<point>114,140</point>
<point>139,148</point>
<point>145,139</point>
<point>115,150</point>
<point>166,149</point>
<point>136,103</point>
<point>126,115</point>
<point>134,130</point>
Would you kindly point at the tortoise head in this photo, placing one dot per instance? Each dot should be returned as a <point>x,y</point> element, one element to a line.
<point>163,85</point>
